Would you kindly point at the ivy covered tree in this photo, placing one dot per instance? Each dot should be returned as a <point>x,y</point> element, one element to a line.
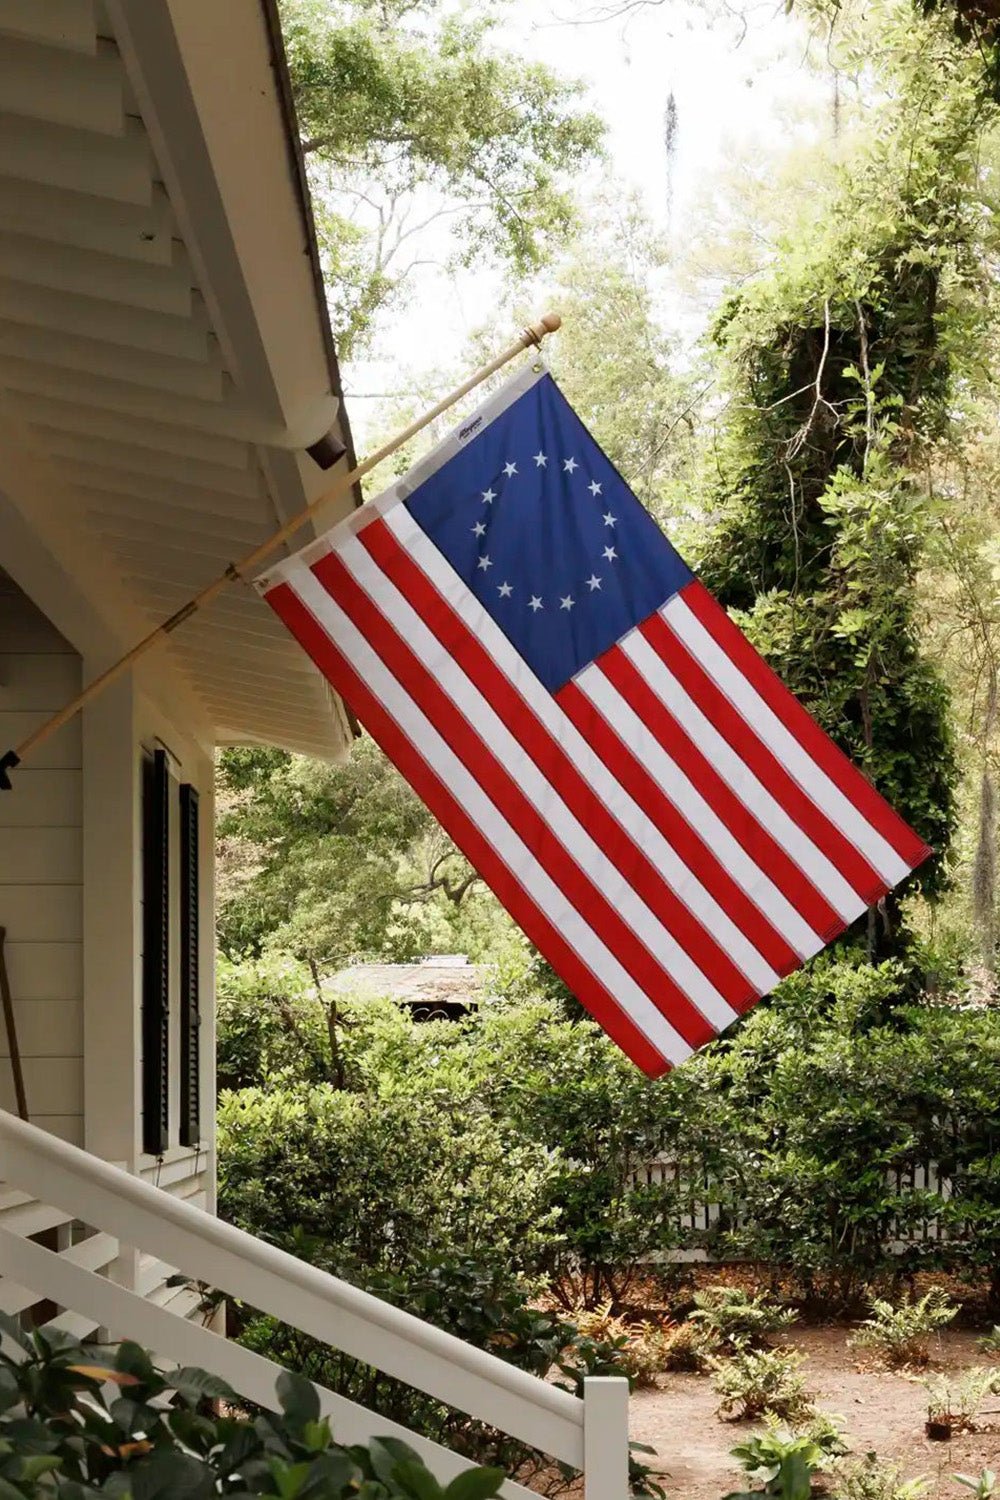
<point>844,368</point>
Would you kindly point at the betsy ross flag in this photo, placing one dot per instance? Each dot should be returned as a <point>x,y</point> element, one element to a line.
<point>657,812</point>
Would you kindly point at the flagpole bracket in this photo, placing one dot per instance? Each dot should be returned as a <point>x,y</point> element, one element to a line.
<point>8,763</point>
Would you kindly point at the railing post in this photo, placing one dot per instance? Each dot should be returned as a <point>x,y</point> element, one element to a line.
<point>605,1438</point>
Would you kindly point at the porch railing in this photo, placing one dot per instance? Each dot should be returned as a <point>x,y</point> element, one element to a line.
<point>122,1210</point>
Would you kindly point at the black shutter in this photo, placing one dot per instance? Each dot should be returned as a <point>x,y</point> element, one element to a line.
<point>156,954</point>
<point>190,1133</point>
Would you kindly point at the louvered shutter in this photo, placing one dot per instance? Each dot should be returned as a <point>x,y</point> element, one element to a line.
<point>190,1131</point>
<point>156,954</point>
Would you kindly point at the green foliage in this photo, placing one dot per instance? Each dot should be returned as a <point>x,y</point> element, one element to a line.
<point>381,1181</point>
<point>62,1434</point>
<point>330,863</point>
<point>990,1342</point>
<point>844,365</point>
<point>954,1403</point>
<point>983,1485</point>
<point>874,1479</point>
<point>783,1463</point>
<point>901,1335</point>
<point>732,1318</point>
<point>688,1348</point>
<point>753,1382</point>
<point>412,104</point>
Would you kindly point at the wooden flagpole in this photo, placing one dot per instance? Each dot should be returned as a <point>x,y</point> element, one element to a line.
<point>240,571</point>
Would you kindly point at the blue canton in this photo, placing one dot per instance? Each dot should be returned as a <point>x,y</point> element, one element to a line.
<point>542,528</point>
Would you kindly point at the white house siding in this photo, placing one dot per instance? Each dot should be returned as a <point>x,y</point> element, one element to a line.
<point>41,874</point>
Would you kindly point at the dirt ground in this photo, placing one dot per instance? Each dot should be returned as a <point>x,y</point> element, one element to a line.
<point>881,1410</point>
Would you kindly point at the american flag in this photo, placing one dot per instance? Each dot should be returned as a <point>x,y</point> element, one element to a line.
<point>656,811</point>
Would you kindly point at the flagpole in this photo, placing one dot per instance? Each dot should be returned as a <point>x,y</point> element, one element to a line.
<point>238,572</point>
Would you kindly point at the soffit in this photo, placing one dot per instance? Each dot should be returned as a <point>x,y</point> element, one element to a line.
<point>162,350</point>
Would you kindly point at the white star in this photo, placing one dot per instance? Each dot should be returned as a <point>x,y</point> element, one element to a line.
<point>510,469</point>
<point>479,529</point>
<point>505,590</point>
<point>593,582</point>
<point>541,459</point>
<point>485,561</point>
<point>609,519</point>
<point>610,554</point>
<point>489,496</point>
<point>567,602</point>
<point>570,464</point>
<point>594,487</point>
<point>535,603</point>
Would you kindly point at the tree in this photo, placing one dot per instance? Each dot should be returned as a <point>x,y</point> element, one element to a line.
<point>412,117</point>
<point>844,365</point>
<point>331,862</point>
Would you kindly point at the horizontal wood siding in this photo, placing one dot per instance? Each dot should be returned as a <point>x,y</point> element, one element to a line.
<point>41,870</point>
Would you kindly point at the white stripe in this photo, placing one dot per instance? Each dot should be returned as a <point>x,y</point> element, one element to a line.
<point>471,702</point>
<point>627,812</point>
<point>545,894</point>
<point>768,727</point>
<point>755,797</point>
<point>697,812</point>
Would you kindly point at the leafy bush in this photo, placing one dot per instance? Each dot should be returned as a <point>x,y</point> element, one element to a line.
<point>953,1404</point>
<point>783,1463</point>
<point>154,1436</point>
<point>688,1348</point>
<point>731,1318</point>
<point>755,1381</point>
<point>901,1335</point>
<point>990,1342</point>
<point>640,1348</point>
<point>874,1479</point>
<point>363,1183</point>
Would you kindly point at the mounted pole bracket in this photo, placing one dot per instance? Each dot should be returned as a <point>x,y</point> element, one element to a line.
<point>7,764</point>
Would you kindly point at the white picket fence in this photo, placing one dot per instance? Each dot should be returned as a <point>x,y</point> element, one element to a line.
<point>699,1208</point>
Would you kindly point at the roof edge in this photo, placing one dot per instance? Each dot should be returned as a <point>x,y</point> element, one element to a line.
<point>297,161</point>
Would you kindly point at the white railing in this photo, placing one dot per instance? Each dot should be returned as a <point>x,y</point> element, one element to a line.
<point>591,1435</point>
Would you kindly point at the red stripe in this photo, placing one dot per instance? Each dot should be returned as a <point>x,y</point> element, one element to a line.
<point>476,847</point>
<point>814,740</point>
<point>555,764</point>
<point>765,851</point>
<point>676,830</point>
<point>741,738</point>
<point>505,794</point>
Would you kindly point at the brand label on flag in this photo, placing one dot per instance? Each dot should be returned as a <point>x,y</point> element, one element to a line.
<point>658,813</point>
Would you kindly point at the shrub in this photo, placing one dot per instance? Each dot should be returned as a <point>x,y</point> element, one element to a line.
<point>784,1463</point>
<point>990,1342</point>
<point>755,1381</point>
<point>874,1479</point>
<point>952,1404</point>
<point>732,1318</point>
<point>155,1436</point>
<point>688,1348</point>
<point>362,1183</point>
<point>901,1335</point>
<point>640,1348</point>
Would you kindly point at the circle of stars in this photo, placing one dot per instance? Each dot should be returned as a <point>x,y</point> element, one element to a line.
<point>505,590</point>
